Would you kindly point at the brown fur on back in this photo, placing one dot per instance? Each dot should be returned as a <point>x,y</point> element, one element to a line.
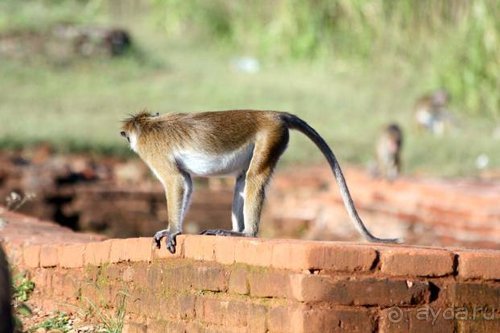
<point>212,132</point>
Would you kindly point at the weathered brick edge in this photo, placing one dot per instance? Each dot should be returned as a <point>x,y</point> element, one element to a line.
<point>226,284</point>
<point>294,255</point>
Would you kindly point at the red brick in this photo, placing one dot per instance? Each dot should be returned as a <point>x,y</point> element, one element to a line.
<point>129,274</point>
<point>140,249</point>
<point>152,278</point>
<point>42,279</point>
<point>422,319</point>
<point>256,321</point>
<point>112,272</point>
<point>475,294</point>
<point>238,282</point>
<point>167,308</point>
<point>344,257</point>
<point>254,251</point>
<point>70,286</point>
<point>186,306</point>
<point>119,251</point>
<point>97,253</point>
<point>143,302</point>
<point>71,255</point>
<point>155,326</point>
<point>267,283</point>
<point>31,256</point>
<point>284,319</point>
<point>303,319</point>
<point>201,327</point>
<point>356,320</point>
<point>180,277</point>
<point>200,247</point>
<point>57,283</point>
<point>234,315</point>
<point>211,278</point>
<point>225,249</point>
<point>292,254</point>
<point>49,255</point>
<point>304,255</point>
<point>479,264</point>
<point>480,325</point>
<point>13,251</point>
<point>416,262</point>
<point>211,310</point>
<point>364,291</point>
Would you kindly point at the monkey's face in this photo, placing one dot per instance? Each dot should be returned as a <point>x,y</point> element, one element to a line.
<point>124,134</point>
<point>132,127</point>
<point>131,137</point>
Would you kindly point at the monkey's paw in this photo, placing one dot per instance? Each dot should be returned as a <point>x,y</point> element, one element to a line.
<point>170,239</point>
<point>221,232</point>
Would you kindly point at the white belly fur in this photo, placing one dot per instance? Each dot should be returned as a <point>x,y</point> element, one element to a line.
<point>203,164</point>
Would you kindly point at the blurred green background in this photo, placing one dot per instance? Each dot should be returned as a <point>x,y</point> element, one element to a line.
<point>348,67</point>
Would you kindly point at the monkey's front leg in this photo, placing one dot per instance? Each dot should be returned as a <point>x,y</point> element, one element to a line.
<point>178,189</point>
<point>170,239</point>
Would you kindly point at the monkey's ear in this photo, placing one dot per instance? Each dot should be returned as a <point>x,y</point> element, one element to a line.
<point>122,133</point>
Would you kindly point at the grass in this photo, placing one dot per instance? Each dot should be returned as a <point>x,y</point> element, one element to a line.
<point>78,106</point>
<point>110,323</point>
<point>22,290</point>
<point>58,322</point>
<point>424,33</point>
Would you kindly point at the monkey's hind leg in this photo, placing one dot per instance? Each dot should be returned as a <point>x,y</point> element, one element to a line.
<point>238,203</point>
<point>267,151</point>
<point>237,212</point>
<point>221,232</point>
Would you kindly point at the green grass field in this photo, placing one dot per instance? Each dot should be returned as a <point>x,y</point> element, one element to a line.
<point>78,106</point>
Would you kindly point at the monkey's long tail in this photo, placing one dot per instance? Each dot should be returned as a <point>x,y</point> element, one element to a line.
<point>298,124</point>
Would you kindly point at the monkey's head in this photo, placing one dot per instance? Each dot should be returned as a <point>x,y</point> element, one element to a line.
<point>395,134</point>
<point>440,97</point>
<point>133,126</point>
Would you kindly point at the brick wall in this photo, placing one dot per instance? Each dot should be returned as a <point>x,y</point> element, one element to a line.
<point>422,211</point>
<point>225,284</point>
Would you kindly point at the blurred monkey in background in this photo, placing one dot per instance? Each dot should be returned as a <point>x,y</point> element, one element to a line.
<point>431,112</point>
<point>388,152</point>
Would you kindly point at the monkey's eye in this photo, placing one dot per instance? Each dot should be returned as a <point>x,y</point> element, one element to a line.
<point>122,133</point>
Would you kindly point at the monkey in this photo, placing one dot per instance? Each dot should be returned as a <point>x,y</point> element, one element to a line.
<point>388,151</point>
<point>431,112</point>
<point>6,318</point>
<point>244,143</point>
